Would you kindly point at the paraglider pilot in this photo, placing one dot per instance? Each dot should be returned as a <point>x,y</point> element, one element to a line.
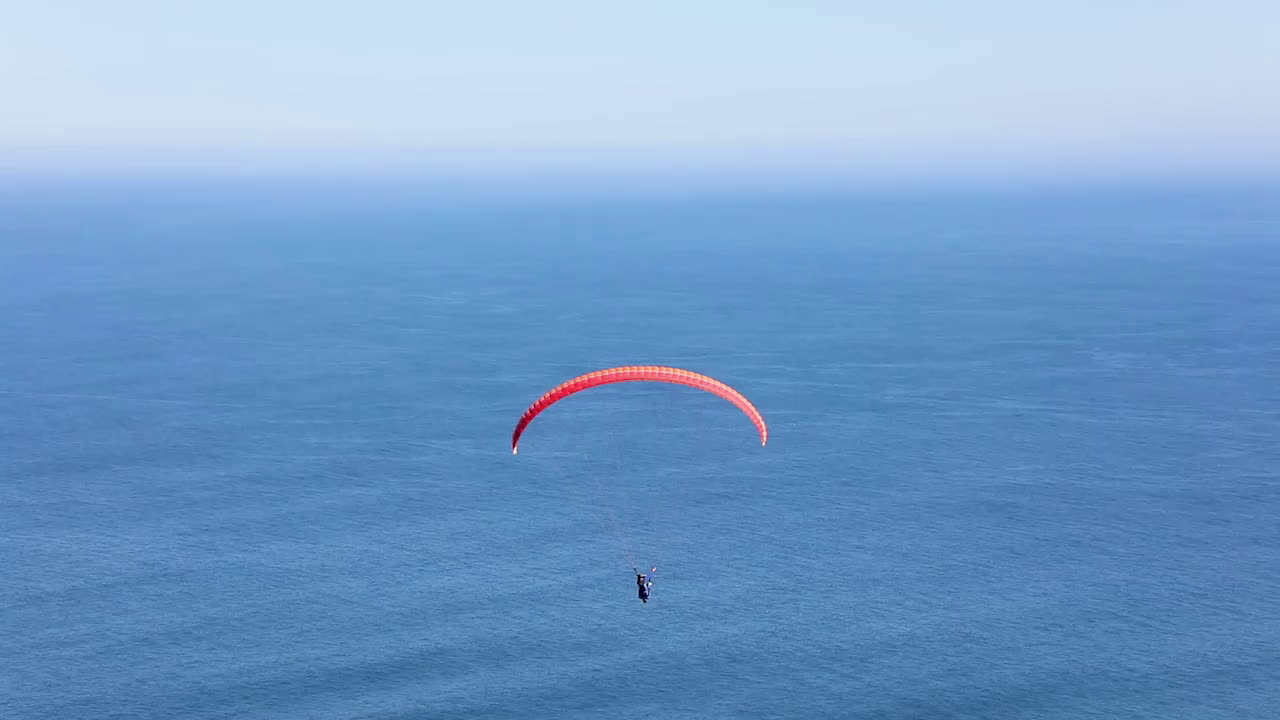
<point>643,583</point>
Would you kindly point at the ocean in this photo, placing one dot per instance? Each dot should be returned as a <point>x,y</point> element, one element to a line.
<point>255,453</point>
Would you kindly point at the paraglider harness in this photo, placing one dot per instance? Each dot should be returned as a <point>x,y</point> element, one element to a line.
<point>643,583</point>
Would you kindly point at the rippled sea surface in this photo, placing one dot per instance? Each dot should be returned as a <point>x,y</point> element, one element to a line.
<point>255,463</point>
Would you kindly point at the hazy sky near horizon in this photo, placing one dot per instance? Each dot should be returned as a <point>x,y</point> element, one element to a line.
<point>1160,84</point>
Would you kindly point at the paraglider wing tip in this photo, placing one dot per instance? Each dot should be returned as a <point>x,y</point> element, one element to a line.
<point>514,450</point>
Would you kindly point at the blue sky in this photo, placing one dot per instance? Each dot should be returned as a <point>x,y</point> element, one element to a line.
<point>889,88</point>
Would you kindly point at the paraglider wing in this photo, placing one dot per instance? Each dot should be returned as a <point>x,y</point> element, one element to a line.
<point>639,373</point>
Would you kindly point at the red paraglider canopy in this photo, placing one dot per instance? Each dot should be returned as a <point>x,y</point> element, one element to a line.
<point>639,373</point>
